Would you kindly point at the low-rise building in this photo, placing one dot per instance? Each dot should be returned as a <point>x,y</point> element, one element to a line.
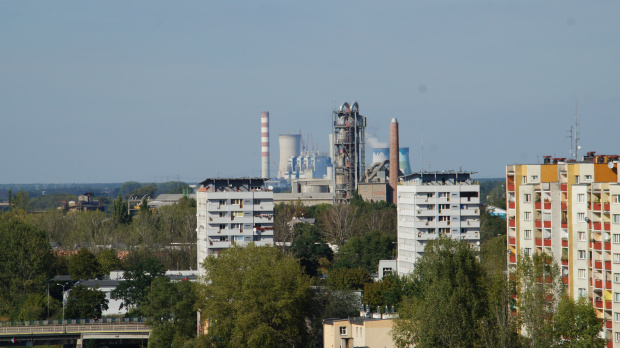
<point>358,332</point>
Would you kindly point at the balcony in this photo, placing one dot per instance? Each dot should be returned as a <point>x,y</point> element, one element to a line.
<point>512,223</point>
<point>512,241</point>
<point>539,242</point>
<point>564,243</point>
<point>511,205</point>
<point>511,187</point>
<point>539,224</point>
<point>598,264</point>
<point>609,324</point>
<point>564,224</point>
<point>564,262</point>
<point>608,305</point>
<point>547,224</point>
<point>606,207</point>
<point>598,284</point>
<point>564,187</point>
<point>607,226</point>
<point>608,287</point>
<point>598,304</point>
<point>608,265</point>
<point>563,206</point>
<point>597,226</point>
<point>513,258</point>
<point>595,206</point>
<point>565,280</point>
<point>547,242</point>
<point>607,245</point>
<point>538,205</point>
<point>597,245</point>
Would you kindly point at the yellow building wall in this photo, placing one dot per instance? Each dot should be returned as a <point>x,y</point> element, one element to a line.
<point>549,173</point>
<point>602,173</point>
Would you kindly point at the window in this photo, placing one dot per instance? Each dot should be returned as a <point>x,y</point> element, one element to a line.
<point>615,218</point>
<point>528,216</point>
<point>616,199</point>
<point>581,217</point>
<point>576,179</point>
<point>616,296</point>
<point>581,198</point>
<point>582,254</point>
<point>534,177</point>
<point>617,334</point>
<point>343,330</point>
<point>525,179</point>
<point>616,258</point>
<point>582,273</point>
<point>528,251</point>
<point>237,213</point>
<point>528,234</point>
<point>617,317</point>
<point>235,201</point>
<point>616,238</point>
<point>527,197</point>
<point>616,277</point>
<point>582,236</point>
<point>583,292</point>
<point>588,177</point>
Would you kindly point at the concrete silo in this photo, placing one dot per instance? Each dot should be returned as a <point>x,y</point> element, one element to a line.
<point>290,145</point>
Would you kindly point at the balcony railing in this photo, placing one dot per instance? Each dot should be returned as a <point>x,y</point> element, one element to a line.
<point>513,259</point>
<point>564,187</point>
<point>564,280</point>
<point>565,243</point>
<point>595,206</point>
<point>547,242</point>
<point>511,187</point>
<point>563,206</point>
<point>512,223</point>
<point>511,205</point>
<point>512,241</point>
<point>539,242</point>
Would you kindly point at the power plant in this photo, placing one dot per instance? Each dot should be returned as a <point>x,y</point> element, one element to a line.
<point>382,154</point>
<point>290,146</point>
<point>348,150</point>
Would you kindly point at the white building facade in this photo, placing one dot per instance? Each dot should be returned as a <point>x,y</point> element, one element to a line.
<point>431,205</point>
<point>232,212</point>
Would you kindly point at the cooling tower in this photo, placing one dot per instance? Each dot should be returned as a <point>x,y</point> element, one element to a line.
<point>290,145</point>
<point>380,154</point>
<point>404,160</point>
<point>264,138</point>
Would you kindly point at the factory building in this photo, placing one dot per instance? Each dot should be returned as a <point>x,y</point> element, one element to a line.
<point>433,204</point>
<point>310,165</point>
<point>290,146</point>
<point>348,150</point>
<point>232,212</point>
<point>571,210</point>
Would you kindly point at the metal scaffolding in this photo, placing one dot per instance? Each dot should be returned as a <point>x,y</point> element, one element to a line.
<point>349,150</point>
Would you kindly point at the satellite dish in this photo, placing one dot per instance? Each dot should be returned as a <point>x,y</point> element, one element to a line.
<point>610,165</point>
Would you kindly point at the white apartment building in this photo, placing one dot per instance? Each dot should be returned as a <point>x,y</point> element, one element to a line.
<point>431,204</point>
<point>232,212</point>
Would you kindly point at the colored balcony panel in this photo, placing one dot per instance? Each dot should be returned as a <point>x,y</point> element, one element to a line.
<point>512,223</point>
<point>597,226</point>
<point>538,205</point>
<point>564,187</point>
<point>564,280</point>
<point>598,284</point>
<point>547,206</point>
<point>607,226</point>
<point>513,259</point>
<point>564,262</point>
<point>512,241</point>
<point>608,287</point>
<point>511,187</point>
<point>563,205</point>
<point>607,264</point>
<point>511,205</point>
<point>596,206</point>
<point>539,242</point>
<point>598,264</point>
<point>547,224</point>
<point>607,245</point>
<point>539,224</point>
<point>547,242</point>
<point>609,324</point>
<point>606,207</point>
<point>598,304</point>
<point>564,224</point>
<point>607,304</point>
<point>564,243</point>
<point>596,245</point>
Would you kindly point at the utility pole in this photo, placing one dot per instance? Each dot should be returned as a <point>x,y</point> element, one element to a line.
<point>63,306</point>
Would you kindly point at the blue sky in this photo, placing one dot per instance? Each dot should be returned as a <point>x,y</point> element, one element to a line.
<point>151,90</point>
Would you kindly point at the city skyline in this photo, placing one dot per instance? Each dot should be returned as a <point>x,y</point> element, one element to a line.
<point>115,92</point>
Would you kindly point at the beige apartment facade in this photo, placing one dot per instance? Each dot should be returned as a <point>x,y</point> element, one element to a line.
<point>357,332</point>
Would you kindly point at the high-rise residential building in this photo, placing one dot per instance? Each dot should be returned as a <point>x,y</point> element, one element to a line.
<point>232,212</point>
<point>571,210</point>
<point>433,204</point>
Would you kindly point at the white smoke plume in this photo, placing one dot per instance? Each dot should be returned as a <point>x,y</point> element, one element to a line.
<point>375,143</point>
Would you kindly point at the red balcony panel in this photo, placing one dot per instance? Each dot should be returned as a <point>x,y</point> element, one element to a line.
<point>512,223</point>
<point>539,242</point>
<point>563,205</point>
<point>607,245</point>
<point>537,205</point>
<point>511,187</point>
<point>607,304</point>
<point>597,226</point>
<point>547,206</point>
<point>539,224</point>
<point>598,284</point>
<point>598,304</point>
<point>607,264</point>
<point>610,344</point>
<point>608,287</point>
<point>609,324</point>
<point>513,259</point>
<point>564,243</point>
<point>597,245</point>
<point>607,226</point>
<point>547,224</point>
<point>547,242</point>
<point>564,187</point>
<point>595,206</point>
<point>606,207</point>
<point>564,280</point>
<point>511,205</point>
<point>598,264</point>
<point>512,241</point>
<point>564,224</point>
<point>590,262</point>
<point>564,262</point>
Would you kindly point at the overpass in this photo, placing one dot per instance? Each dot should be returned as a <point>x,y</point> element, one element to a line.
<point>111,332</point>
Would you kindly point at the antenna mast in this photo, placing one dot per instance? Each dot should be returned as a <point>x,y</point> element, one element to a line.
<point>577,134</point>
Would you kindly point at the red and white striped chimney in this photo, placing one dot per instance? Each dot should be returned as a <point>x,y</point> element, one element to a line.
<point>264,139</point>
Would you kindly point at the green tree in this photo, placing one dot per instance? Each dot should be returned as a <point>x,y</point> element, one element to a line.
<point>348,278</point>
<point>491,226</point>
<point>309,248</point>
<point>138,279</point>
<point>576,324</point>
<point>366,251</point>
<point>85,303</point>
<point>128,187</point>
<point>20,201</point>
<point>119,211</point>
<point>255,297</point>
<point>338,223</point>
<point>84,265</point>
<point>25,259</point>
<point>538,289</point>
<point>34,307</point>
<point>169,308</point>
<point>108,261</point>
<point>448,304</point>
<point>388,291</point>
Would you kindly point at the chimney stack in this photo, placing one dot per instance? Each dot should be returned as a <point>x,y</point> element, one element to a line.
<point>264,129</point>
<point>394,160</point>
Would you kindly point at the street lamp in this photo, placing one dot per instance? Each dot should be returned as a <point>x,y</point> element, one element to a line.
<point>63,305</point>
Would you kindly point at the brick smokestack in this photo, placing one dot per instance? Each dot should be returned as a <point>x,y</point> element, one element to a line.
<point>394,160</point>
<point>264,138</point>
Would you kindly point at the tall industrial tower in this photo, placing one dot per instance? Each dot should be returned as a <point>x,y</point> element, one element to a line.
<point>349,150</point>
<point>264,139</point>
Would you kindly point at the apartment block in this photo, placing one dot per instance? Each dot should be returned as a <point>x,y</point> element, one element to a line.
<point>571,210</point>
<point>232,212</point>
<point>433,204</point>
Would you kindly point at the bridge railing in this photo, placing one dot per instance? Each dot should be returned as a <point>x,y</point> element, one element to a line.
<point>73,321</point>
<point>73,329</point>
